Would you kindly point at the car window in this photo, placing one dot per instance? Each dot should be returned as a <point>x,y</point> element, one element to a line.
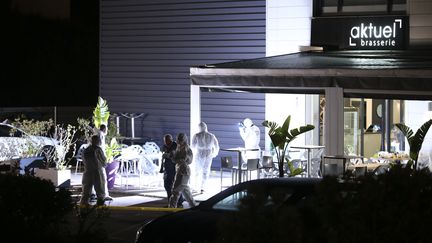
<point>7,131</point>
<point>271,196</point>
<point>4,131</point>
<point>231,202</point>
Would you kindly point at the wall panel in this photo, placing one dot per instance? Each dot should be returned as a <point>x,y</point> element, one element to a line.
<point>148,46</point>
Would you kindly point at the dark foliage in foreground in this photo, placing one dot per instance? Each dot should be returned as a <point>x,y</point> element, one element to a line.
<point>34,210</point>
<point>392,207</point>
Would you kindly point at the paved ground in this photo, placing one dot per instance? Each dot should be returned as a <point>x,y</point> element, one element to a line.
<point>148,190</point>
<point>136,200</point>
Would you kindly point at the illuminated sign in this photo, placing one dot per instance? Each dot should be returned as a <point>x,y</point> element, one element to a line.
<point>370,35</point>
<point>361,33</point>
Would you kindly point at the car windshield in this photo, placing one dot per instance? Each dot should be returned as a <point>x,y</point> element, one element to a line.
<point>270,196</point>
<point>6,131</point>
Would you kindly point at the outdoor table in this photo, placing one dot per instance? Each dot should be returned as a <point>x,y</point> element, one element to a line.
<point>239,151</point>
<point>369,166</point>
<point>309,152</point>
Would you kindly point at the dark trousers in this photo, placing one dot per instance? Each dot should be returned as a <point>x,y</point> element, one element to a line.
<point>168,184</point>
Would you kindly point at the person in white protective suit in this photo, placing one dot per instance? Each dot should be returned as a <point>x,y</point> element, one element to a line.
<point>94,166</point>
<point>102,132</point>
<point>182,157</point>
<point>205,147</point>
<point>250,134</point>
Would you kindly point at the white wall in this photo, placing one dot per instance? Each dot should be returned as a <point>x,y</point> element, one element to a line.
<point>288,25</point>
<point>420,12</point>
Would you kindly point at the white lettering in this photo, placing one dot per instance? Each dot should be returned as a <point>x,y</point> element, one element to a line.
<point>357,32</point>
<point>377,35</point>
<point>387,31</point>
<point>370,35</point>
<point>363,31</point>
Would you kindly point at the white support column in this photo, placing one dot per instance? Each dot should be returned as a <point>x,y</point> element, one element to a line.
<point>333,121</point>
<point>195,110</point>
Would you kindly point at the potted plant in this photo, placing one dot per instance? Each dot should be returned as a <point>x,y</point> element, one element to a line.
<point>112,150</point>
<point>281,137</point>
<point>57,168</point>
<point>415,141</point>
<point>101,115</point>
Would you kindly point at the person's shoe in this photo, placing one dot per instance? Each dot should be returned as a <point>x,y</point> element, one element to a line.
<point>84,204</point>
<point>108,198</point>
<point>93,198</point>
<point>100,202</point>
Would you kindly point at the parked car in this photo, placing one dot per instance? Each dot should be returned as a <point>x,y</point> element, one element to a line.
<point>200,223</point>
<point>14,143</point>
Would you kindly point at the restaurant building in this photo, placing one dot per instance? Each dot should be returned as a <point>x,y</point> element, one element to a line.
<point>351,68</point>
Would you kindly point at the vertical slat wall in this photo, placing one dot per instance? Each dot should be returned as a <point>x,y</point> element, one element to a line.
<point>420,12</point>
<point>223,111</point>
<point>148,46</point>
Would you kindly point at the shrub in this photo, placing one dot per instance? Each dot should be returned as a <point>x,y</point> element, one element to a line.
<point>32,209</point>
<point>393,207</point>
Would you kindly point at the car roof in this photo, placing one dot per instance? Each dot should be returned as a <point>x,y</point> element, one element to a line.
<point>290,182</point>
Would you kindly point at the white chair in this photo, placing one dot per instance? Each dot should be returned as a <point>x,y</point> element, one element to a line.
<point>129,159</point>
<point>79,157</point>
<point>153,153</point>
<point>316,162</point>
<point>266,166</point>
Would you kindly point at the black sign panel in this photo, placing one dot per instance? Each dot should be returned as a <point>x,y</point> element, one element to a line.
<point>361,33</point>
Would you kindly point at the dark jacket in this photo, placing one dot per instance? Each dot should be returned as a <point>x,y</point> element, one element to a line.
<point>94,158</point>
<point>168,164</point>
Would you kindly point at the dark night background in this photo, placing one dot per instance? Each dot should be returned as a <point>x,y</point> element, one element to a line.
<point>50,57</point>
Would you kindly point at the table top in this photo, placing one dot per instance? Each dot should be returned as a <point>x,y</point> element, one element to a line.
<point>342,156</point>
<point>370,166</point>
<point>308,147</point>
<point>239,149</point>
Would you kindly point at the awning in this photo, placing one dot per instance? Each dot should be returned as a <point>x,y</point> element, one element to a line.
<point>389,74</point>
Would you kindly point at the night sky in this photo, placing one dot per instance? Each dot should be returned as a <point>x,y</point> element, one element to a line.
<point>50,53</point>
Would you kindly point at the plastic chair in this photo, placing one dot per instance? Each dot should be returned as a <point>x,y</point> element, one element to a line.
<point>153,153</point>
<point>330,170</point>
<point>79,157</point>
<point>382,169</point>
<point>360,171</point>
<point>227,165</point>
<point>316,162</point>
<point>267,166</point>
<point>251,165</point>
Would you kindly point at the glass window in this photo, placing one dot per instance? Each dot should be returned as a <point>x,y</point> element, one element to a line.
<point>4,131</point>
<point>369,126</point>
<point>358,7</point>
<point>231,202</point>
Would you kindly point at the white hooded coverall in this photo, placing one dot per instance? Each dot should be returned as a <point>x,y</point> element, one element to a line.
<point>205,146</point>
<point>251,137</point>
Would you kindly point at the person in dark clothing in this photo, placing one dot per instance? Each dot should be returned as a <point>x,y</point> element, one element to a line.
<point>168,166</point>
<point>94,164</point>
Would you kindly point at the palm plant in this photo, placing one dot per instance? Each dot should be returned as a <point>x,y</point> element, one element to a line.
<point>415,141</point>
<point>101,113</point>
<point>281,137</point>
